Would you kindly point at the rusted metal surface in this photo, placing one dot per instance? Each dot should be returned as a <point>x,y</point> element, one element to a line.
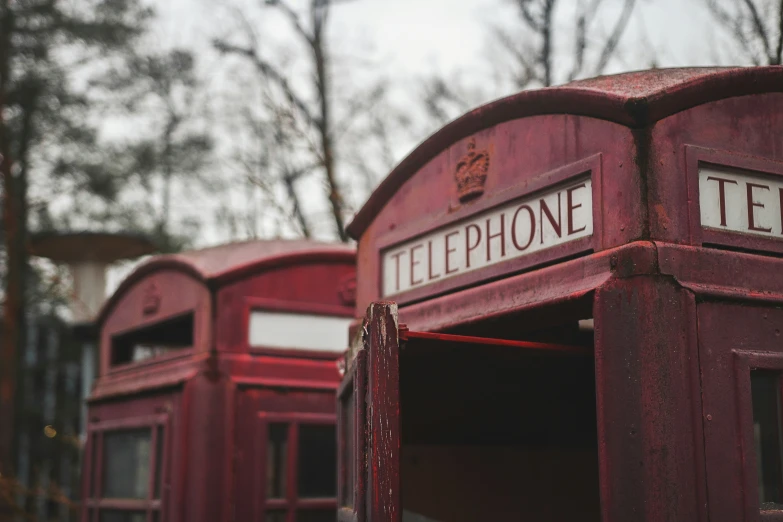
<point>733,339</point>
<point>561,283</point>
<point>648,401</point>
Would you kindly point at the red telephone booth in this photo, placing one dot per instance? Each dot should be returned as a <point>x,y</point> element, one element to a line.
<point>574,310</point>
<point>215,396</point>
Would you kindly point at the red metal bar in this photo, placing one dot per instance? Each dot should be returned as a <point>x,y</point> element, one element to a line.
<point>406,334</point>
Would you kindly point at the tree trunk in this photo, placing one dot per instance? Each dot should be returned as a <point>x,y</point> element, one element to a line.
<point>319,10</point>
<point>12,309</point>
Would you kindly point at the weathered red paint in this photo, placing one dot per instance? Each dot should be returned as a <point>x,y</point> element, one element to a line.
<point>681,313</point>
<point>216,398</point>
<point>383,419</point>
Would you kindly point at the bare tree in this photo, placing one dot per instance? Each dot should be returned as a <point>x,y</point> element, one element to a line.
<point>308,128</point>
<point>755,25</point>
<point>532,45</point>
<point>535,50</point>
<point>165,86</point>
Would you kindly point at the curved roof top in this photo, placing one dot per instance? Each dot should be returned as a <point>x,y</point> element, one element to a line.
<point>634,99</point>
<point>224,263</point>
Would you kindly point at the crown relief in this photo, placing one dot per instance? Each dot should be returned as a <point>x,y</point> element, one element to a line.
<point>471,173</point>
<point>347,290</point>
<point>151,300</point>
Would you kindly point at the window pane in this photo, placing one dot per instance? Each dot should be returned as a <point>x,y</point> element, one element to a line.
<point>153,341</point>
<point>275,516</point>
<point>765,390</point>
<point>316,515</point>
<point>348,425</point>
<point>276,460</point>
<point>126,464</point>
<point>116,515</point>
<point>317,461</point>
<point>158,460</point>
<point>94,441</point>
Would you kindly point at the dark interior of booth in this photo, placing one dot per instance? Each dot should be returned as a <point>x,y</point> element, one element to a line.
<point>501,433</point>
<point>160,338</point>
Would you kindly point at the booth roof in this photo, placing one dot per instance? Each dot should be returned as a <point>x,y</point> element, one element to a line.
<point>634,99</point>
<point>225,263</point>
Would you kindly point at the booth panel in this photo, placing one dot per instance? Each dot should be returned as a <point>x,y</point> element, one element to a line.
<point>742,363</point>
<point>162,316</point>
<point>736,136</point>
<point>285,455</point>
<point>254,313</point>
<point>132,460</point>
<point>525,157</point>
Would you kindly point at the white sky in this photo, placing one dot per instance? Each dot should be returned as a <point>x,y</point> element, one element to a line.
<point>408,39</point>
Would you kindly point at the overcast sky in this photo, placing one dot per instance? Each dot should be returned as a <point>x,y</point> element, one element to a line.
<point>408,39</point>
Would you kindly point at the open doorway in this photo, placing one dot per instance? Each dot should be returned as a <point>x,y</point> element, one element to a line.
<point>496,432</point>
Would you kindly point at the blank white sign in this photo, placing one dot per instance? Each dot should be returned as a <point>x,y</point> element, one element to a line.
<point>298,331</point>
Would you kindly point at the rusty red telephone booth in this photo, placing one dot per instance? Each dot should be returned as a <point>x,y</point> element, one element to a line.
<point>215,396</point>
<point>574,310</point>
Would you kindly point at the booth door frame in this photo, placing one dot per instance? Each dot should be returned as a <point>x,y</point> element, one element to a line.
<point>369,395</point>
<point>374,461</point>
<point>729,349</point>
<point>160,425</point>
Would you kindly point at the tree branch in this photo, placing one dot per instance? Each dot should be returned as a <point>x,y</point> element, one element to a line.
<point>758,26</point>
<point>294,19</point>
<point>779,51</point>
<point>359,107</point>
<point>527,73</point>
<point>614,38</point>
<point>524,9</point>
<point>546,47</point>
<point>268,71</point>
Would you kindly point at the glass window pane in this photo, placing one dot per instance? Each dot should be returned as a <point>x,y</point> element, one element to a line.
<point>275,516</point>
<point>158,460</point>
<point>317,461</point>
<point>116,515</point>
<point>316,515</point>
<point>276,460</point>
<point>94,441</point>
<point>765,390</point>
<point>153,341</point>
<point>126,463</point>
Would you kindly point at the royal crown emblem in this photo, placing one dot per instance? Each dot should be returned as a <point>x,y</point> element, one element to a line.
<point>347,290</point>
<point>472,173</point>
<point>151,300</point>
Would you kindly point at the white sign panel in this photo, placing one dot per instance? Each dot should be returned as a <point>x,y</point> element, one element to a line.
<point>741,203</point>
<point>298,331</point>
<point>513,230</point>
